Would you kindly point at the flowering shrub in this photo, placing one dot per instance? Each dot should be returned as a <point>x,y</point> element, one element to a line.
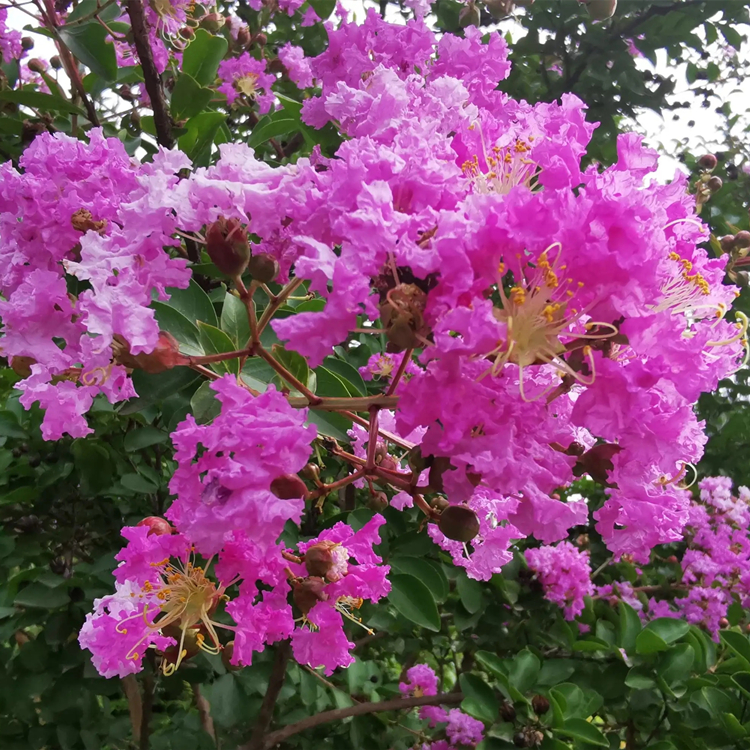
<point>436,310</point>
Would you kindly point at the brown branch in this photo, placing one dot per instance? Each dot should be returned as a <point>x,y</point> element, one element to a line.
<point>258,740</point>
<point>148,705</point>
<point>204,711</point>
<point>359,709</point>
<point>151,77</point>
<point>133,694</point>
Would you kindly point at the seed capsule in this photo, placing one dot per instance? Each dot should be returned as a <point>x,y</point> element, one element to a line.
<point>308,592</point>
<point>288,487</point>
<point>715,184</point>
<point>707,161</point>
<point>263,267</point>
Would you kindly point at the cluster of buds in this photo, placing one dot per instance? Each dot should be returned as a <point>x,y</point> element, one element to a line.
<point>228,246</point>
<point>707,184</point>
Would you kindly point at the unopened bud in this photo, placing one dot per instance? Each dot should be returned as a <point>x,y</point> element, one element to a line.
<point>707,161</point>
<point>378,502</point>
<point>469,16</point>
<point>186,32</point>
<point>227,246</point>
<point>499,8</point>
<point>672,559</point>
<point>35,65</point>
<point>260,39</point>
<point>157,526</point>
<point>227,653</point>
<point>288,487</point>
<point>727,243</point>
<point>540,705</point>
<point>715,184</point>
<point>326,559</point>
<point>263,267</point>
<point>27,43</point>
<point>724,623</point>
<point>55,62</point>
<point>601,10</point>
<point>308,592</point>
<point>742,239</point>
<point>507,711</point>
<point>22,365</point>
<point>311,472</point>
<point>212,22</point>
<point>459,522</point>
<point>243,37</point>
<point>165,356</point>
<point>82,220</point>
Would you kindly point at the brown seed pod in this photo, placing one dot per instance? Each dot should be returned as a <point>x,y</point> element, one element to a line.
<point>288,487</point>
<point>227,246</point>
<point>459,522</point>
<point>707,161</point>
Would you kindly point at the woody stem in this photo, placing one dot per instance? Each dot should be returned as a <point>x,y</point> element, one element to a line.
<point>399,373</point>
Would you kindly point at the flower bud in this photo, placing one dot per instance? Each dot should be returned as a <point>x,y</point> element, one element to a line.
<point>212,22</point>
<point>672,559</point>
<point>727,243</point>
<point>226,657</point>
<point>55,62</point>
<point>540,705</point>
<point>165,356</point>
<point>227,246</point>
<point>27,43</point>
<point>707,161</point>
<point>22,365</point>
<point>499,9</point>
<point>715,184</point>
<point>459,522</point>
<point>263,267</point>
<point>723,623</point>
<point>469,16</point>
<point>307,592</point>
<point>156,525</point>
<point>378,502</point>
<point>288,487</point>
<point>82,220</point>
<point>742,239</point>
<point>186,32</point>
<point>507,711</point>
<point>601,10</point>
<point>327,559</point>
<point>260,39</point>
<point>35,65</point>
<point>311,472</point>
<point>243,37</point>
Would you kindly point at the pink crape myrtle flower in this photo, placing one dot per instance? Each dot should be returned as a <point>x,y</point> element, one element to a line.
<point>226,468</point>
<point>565,574</point>
<point>246,76</point>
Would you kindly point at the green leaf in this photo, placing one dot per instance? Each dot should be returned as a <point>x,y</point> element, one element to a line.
<point>469,591</point>
<point>20,495</point>
<point>193,303</point>
<point>9,425</point>
<point>579,729</point>
<point>185,332</point>
<point>294,363</point>
<point>630,626</point>
<point>742,680</point>
<point>640,678</point>
<point>330,424</point>
<point>675,664</point>
<point>270,126</point>
<point>188,97</point>
<point>202,56</point>
<point>234,320</point>
<point>492,662</point>
<point>479,698</point>
<point>201,131</point>
<point>93,464</point>
<point>426,571</point>
<point>88,42</point>
<point>155,388</point>
<point>350,375</point>
<point>215,341</point>
<point>143,437</point>
<point>524,671</point>
<point>42,597</point>
<point>138,483</point>
<point>732,36</point>
<point>225,698</point>
<point>413,600</point>
<point>204,405</point>
<point>43,102</point>
<point>330,384</point>
<point>659,633</point>
<point>738,643</point>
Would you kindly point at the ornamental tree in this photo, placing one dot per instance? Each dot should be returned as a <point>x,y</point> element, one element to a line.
<point>341,332</point>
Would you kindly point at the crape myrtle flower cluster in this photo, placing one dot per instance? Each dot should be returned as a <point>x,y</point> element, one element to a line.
<point>542,322</point>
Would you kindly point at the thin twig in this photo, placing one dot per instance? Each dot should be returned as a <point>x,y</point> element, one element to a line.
<point>133,694</point>
<point>275,683</point>
<point>151,77</point>
<point>204,711</point>
<point>359,709</point>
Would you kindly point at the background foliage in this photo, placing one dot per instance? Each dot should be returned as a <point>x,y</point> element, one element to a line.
<point>664,686</point>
